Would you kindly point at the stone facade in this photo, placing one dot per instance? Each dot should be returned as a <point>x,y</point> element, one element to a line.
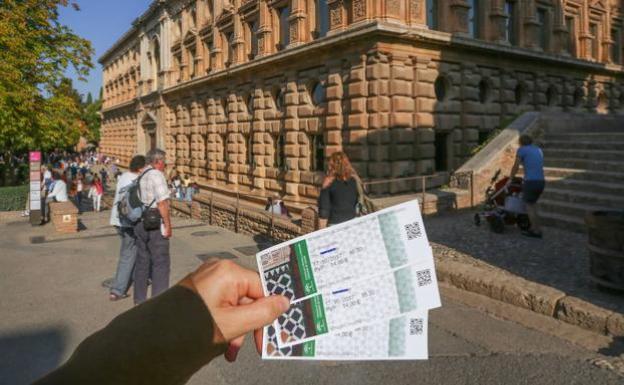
<point>252,95</point>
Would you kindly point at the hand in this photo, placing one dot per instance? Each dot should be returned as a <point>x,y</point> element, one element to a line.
<point>168,231</point>
<point>236,302</point>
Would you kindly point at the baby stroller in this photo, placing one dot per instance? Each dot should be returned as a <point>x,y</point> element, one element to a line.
<point>503,205</point>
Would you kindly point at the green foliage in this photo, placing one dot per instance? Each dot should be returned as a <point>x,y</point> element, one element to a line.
<point>494,133</point>
<point>38,105</point>
<point>92,120</point>
<point>13,198</point>
<point>13,176</point>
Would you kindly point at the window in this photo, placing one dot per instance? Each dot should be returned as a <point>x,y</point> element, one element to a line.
<point>229,37</point>
<point>253,40</point>
<point>473,18</point>
<point>484,91</point>
<point>441,151</point>
<point>224,106</point>
<point>249,103</point>
<point>250,154</point>
<point>510,9</point>
<point>520,94</point>
<point>278,99</point>
<point>432,14</point>
<point>191,62</point>
<point>317,152</point>
<point>543,28</point>
<point>593,42</point>
<point>280,152</point>
<point>602,103</point>
<point>441,88</point>
<point>224,149</point>
<point>571,42</point>
<point>284,28</point>
<point>317,94</point>
<point>551,96</point>
<point>192,18</point>
<point>322,18</point>
<point>578,97</point>
<point>157,56</point>
<point>206,58</point>
<point>616,46</point>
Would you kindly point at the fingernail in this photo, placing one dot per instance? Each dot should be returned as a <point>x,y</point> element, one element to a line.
<point>231,353</point>
<point>285,304</point>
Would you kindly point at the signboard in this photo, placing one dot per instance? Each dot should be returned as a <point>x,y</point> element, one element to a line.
<point>34,158</point>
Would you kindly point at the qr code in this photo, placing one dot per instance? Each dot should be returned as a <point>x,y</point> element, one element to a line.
<point>413,231</point>
<point>416,326</point>
<point>424,277</point>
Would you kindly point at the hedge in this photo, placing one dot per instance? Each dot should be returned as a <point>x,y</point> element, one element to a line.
<point>13,198</point>
<point>13,175</point>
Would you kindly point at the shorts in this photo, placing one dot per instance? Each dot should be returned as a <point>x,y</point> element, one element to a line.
<point>531,190</point>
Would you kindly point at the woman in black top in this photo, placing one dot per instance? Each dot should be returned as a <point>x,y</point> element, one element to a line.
<point>339,195</point>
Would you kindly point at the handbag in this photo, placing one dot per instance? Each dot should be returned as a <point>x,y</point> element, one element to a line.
<point>365,205</point>
<point>151,219</point>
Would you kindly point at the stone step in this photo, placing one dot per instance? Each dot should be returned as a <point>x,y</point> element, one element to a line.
<point>580,174</point>
<point>587,164</point>
<point>563,183</point>
<point>564,222</point>
<point>565,153</point>
<point>584,197</point>
<point>585,136</point>
<point>583,145</point>
<point>576,210</point>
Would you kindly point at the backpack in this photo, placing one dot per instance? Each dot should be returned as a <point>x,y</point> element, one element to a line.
<point>130,207</point>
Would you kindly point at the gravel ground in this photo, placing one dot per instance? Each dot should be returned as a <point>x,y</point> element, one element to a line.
<point>559,260</point>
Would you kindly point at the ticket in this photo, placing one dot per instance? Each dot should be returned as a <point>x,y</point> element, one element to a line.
<point>401,338</point>
<point>358,303</point>
<point>356,249</point>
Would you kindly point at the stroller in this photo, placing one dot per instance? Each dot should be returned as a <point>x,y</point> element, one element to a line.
<point>503,205</point>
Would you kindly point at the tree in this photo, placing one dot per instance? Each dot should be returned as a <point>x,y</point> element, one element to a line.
<point>38,105</point>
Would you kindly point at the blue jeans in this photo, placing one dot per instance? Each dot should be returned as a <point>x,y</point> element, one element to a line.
<point>190,191</point>
<point>127,259</point>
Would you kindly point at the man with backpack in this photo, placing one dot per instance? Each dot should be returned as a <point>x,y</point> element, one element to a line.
<point>125,229</point>
<point>154,229</point>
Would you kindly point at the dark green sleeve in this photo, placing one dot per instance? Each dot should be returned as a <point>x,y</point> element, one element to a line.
<point>163,341</point>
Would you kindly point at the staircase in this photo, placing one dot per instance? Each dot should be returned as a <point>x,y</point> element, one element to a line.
<point>584,172</point>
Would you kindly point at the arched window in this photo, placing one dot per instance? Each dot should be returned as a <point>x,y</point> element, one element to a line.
<point>249,104</point>
<point>250,153</point>
<point>317,94</point>
<point>278,99</point>
<point>551,96</point>
<point>441,86</point>
<point>224,149</point>
<point>284,27</point>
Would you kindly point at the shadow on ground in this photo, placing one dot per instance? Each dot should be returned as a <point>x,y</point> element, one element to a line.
<point>29,354</point>
<point>559,260</point>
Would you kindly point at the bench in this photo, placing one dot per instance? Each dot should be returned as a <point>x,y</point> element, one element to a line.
<point>64,216</point>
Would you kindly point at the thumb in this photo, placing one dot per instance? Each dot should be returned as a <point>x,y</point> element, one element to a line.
<point>239,320</point>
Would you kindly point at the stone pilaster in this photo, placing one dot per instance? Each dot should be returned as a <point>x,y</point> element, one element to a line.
<point>299,30</point>
<point>265,33</point>
<point>498,22</point>
<point>417,12</point>
<point>459,17</point>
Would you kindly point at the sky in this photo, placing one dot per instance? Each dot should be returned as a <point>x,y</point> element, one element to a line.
<point>102,22</point>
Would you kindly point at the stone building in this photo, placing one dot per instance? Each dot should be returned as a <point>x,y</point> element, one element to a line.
<point>252,95</point>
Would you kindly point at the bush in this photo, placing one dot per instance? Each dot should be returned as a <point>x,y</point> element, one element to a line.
<point>13,198</point>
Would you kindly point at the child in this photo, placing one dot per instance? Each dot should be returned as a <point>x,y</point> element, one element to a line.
<point>96,192</point>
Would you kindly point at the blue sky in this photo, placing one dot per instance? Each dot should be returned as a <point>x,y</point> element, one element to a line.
<point>102,22</point>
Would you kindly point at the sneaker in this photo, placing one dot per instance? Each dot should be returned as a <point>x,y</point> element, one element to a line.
<point>532,234</point>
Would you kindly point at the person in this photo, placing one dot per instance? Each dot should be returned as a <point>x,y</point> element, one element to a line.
<point>276,206</point>
<point>177,187</point>
<point>79,189</point>
<point>127,252</point>
<point>153,244</point>
<point>169,338</point>
<point>339,194</point>
<point>532,159</point>
<point>57,194</point>
<point>96,192</point>
<point>47,177</point>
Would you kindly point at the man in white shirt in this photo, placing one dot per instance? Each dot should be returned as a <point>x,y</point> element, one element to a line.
<point>58,193</point>
<point>153,243</point>
<point>127,252</point>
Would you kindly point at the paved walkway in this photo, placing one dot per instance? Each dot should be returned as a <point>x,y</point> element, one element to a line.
<point>52,298</point>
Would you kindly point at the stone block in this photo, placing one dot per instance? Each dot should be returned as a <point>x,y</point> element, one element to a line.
<point>426,105</point>
<point>424,151</point>
<point>402,72</point>
<point>427,75</point>
<point>584,314</point>
<point>334,107</point>
<point>379,153</point>
<point>402,136</point>
<point>377,71</point>
<point>401,119</point>
<point>403,103</point>
<point>401,152</point>
<point>379,120</point>
<point>378,104</point>
<point>357,105</point>
<point>400,87</point>
<point>424,119</point>
<point>357,121</point>
<point>378,87</point>
<point>402,167</point>
<point>333,93</point>
<point>357,89</point>
<point>333,122</point>
<point>379,169</point>
<point>425,90</point>
<point>357,74</point>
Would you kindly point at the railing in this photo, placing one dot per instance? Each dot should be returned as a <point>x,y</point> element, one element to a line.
<point>407,184</point>
<point>464,181</point>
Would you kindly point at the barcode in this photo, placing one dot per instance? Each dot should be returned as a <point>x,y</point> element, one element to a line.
<point>413,231</point>
<point>416,326</point>
<point>424,277</point>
